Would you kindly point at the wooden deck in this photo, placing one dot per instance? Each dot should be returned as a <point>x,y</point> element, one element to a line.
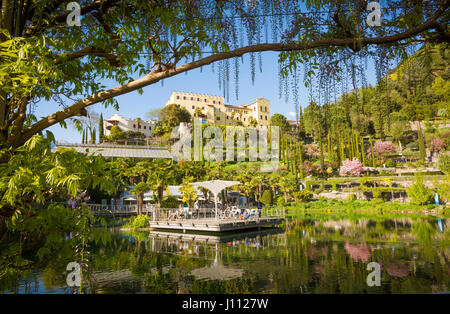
<point>212,239</point>
<point>216,225</point>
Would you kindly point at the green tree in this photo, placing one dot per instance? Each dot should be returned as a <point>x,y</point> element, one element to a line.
<point>139,190</point>
<point>116,133</point>
<point>101,132</point>
<point>280,121</point>
<point>172,115</point>
<point>267,198</point>
<point>419,193</point>
<point>444,162</point>
<point>188,193</point>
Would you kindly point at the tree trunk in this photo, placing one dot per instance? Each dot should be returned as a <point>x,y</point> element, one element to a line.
<point>140,203</point>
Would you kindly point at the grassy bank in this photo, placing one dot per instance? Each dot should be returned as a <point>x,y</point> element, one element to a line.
<point>338,205</point>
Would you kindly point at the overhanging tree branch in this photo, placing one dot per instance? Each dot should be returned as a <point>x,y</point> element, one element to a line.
<point>156,76</point>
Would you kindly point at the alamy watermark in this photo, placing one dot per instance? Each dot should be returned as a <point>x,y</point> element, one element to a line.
<point>374,277</point>
<point>73,278</point>
<point>74,17</point>
<point>374,17</point>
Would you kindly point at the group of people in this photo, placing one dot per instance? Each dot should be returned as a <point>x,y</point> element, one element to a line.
<point>232,211</point>
<point>183,212</point>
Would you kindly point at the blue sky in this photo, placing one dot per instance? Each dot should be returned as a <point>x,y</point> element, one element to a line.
<point>133,105</point>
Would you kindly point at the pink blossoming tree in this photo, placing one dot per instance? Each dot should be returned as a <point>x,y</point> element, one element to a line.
<point>351,168</point>
<point>381,147</point>
<point>437,145</point>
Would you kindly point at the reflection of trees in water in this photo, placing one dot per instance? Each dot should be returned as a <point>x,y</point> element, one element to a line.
<point>310,257</point>
<point>358,251</point>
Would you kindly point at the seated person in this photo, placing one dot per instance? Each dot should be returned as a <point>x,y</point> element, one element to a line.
<point>172,215</point>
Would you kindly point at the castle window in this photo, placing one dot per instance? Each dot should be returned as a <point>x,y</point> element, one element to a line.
<point>198,99</point>
<point>178,97</point>
<point>261,117</point>
<point>184,97</point>
<point>134,126</point>
<point>218,118</point>
<point>214,101</point>
<point>266,117</point>
<point>193,107</point>
<point>145,128</point>
<point>192,98</point>
<point>205,99</point>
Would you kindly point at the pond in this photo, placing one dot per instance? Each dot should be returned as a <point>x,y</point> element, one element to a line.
<point>310,253</point>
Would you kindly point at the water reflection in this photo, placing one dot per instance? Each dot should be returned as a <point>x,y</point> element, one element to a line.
<point>310,254</point>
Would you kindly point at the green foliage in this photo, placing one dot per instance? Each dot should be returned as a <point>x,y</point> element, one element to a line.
<point>280,121</point>
<point>116,133</point>
<point>140,221</point>
<point>267,197</point>
<point>444,162</point>
<point>188,193</point>
<point>280,200</point>
<point>140,188</point>
<point>170,202</point>
<point>303,196</point>
<point>419,193</point>
<point>101,133</point>
<point>172,115</point>
<point>444,189</point>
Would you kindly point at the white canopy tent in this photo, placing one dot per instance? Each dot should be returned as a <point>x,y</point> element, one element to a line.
<point>216,186</point>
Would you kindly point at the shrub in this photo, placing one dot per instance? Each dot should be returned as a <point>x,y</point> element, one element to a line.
<point>444,163</point>
<point>280,200</point>
<point>444,190</point>
<point>267,197</point>
<point>419,193</point>
<point>351,167</point>
<point>303,196</point>
<point>137,222</point>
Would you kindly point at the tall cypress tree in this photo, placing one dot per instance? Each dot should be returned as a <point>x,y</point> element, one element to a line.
<point>372,155</point>
<point>363,155</point>
<point>421,144</point>
<point>330,154</point>
<point>301,124</point>
<point>300,155</point>
<point>100,128</point>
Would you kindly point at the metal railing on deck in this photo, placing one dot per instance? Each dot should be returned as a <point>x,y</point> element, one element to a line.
<point>157,214</point>
<point>210,213</point>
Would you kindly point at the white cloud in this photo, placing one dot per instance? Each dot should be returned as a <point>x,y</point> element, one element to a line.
<point>292,114</point>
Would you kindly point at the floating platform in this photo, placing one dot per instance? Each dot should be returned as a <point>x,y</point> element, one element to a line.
<point>209,238</point>
<point>216,225</point>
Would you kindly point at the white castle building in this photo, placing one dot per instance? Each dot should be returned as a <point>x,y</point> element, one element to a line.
<point>212,109</point>
<point>134,125</point>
